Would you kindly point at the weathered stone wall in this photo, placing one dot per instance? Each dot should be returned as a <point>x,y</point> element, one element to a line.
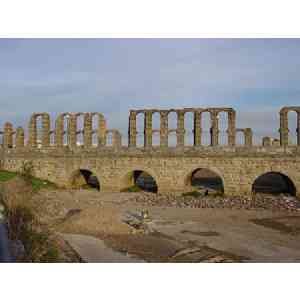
<point>171,169</point>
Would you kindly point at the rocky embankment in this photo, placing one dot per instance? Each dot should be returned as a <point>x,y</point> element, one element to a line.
<point>259,201</point>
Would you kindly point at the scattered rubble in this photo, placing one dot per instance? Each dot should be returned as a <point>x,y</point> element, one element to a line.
<point>258,201</point>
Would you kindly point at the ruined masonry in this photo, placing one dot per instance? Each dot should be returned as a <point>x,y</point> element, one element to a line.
<point>81,141</point>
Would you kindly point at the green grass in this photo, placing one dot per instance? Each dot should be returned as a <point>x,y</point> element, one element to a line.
<point>195,194</point>
<point>36,183</point>
<point>132,189</point>
<point>6,175</point>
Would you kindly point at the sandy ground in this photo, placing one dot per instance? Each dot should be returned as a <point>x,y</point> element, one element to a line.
<point>173,234</point>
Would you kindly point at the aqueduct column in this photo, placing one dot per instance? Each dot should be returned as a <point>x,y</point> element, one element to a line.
<point>20,138</point>
<point>148,129</point>
<point>248,137</point>
<point>87,130</point>
<point>214,128</point>
<point>8,135</point>
<point>46,130</point>
<point>197,128</point>
<point>59,131</point>
<point>32,141</point>
<point>132,129</point>
<point>101,130</point>
<point>180,128</point>
<point>284,128</point>
<point>164,129</point>
<point>72,129</point>
<point>298,128</point>
<point>231,128</point>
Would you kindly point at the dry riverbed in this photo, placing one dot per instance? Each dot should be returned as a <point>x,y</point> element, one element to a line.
<point>171,233</point>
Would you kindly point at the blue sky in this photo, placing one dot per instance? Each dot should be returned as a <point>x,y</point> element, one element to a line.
<point>254,76</point>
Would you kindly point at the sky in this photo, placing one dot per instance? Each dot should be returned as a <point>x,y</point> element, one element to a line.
<point>254,76</point>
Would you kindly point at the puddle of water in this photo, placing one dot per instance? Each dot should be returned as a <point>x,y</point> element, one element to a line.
<point>277,225</point>
<point>201,233</point>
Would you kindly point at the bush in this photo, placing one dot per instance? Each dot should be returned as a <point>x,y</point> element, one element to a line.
<point>132,189</point>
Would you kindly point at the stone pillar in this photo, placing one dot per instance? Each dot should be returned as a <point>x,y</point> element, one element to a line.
<point>46,130</point>
<point>214,131</point>
<point>72,130</point>
<point>267,141</point>
<point>132,129</point>
<point>117,139</point>
<point>101,131</point>
<point>8,135</point>
<point>180,128</point>
<point>164,129</point>
<point>284,128</point>
<point>148,129</point>
<point>87,130</point>
<point>248,137</point>
<point>20,137</point>
<point>32,141</point>
<point>59,131</point>
<point>197,128</point>
<point>231,128</point>
<point>298,128</point>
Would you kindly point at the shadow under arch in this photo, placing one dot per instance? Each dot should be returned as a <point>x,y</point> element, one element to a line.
<point>205,179</point>
<point>274,183</point>
<point>84,178</point>
<point>140,180</point>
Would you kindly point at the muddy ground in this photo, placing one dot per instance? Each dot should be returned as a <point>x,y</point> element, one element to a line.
<point>173,234</point>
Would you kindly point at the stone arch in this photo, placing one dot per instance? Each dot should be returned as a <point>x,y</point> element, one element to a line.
<point>128,179</point>
<point>142,180</point>
<point>85,178</point>
<point>172,128</point>
<point>207,178</point>
<point>80,117</point>
<point>205,125</point>
<point>274,182</point>
<point>140,128</point>
<point>39,137</point>
<point>284,124</point>
<point>189,127</point>
<point>223,127</point>
<point>98,129</point>
<point>65,130</point>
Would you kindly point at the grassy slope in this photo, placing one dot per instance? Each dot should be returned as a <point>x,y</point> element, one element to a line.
<point>36,183</point>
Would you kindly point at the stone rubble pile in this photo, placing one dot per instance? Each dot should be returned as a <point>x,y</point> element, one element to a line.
<point>259,201</point>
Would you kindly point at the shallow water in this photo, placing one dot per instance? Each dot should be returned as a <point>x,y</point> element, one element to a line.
<point>4,244</point>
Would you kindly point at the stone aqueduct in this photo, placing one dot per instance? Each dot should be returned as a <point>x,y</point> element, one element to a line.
<point>57,155</point>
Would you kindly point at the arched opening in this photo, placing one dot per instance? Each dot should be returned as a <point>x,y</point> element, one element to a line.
<point>274,183</point>
<point>223,127</point>
<point>206,180</point>
<point>189,128</point>
<point>292,125</point>
<point>140,127</point>
<point>66,128</point>
<point>205,126</point>
<point>240,138</point>
<point>140,180</point>
<point>172,127</point>
<point>85,179</point>
<point>80,129</point>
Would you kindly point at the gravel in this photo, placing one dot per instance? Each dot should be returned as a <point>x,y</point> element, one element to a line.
<point>259,201</point>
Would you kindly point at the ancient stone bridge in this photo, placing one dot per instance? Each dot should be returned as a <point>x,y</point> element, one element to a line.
<point>79,141</point>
